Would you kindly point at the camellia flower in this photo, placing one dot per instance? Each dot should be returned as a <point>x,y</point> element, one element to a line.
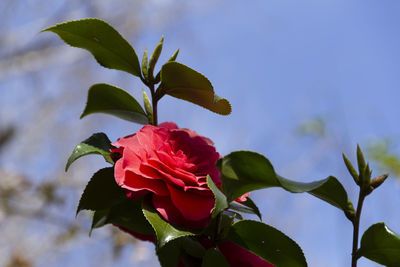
<point>171,165</point>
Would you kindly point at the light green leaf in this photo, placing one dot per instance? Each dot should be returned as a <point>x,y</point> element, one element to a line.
<point>245,171</point>
<point>108,99</point>
<point>108,47</point>
<point>98,143</point>
<point>380,244</point>
<point>165,232</point>
<point>268,243</point>
<point>102,192</point>
<point>182,82</point>
<point>220,199</point>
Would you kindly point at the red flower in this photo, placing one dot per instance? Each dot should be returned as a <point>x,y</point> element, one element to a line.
<point>171,164</point>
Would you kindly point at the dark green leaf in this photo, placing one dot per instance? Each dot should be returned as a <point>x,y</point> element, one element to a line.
<point>244,171</point>
<point>105,98</point>
<point>109,48</point>
<point>220,199</point>
<point>169,255</point>
<point>214,258</point>
<point>185,83</point>
<point>165,232</point>
<point>99,219</point>
<point>247,206</point>
<point>102,192</point>
<point>129,215</point>
<point>267,242</point>
<point>98,143</point>
<point>380,244</point>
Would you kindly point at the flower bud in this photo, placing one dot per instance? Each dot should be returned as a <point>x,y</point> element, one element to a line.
<point>351,169</point>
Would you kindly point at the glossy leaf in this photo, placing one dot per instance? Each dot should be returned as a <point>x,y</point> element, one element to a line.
<point>244,171</point>
<point>102,192</point>
<point>108,99</point>
<point>165,232</point>
<point>98,143</point>
<point>182,82</point>
<point>220,199</point>
<point>214,258</point>
<point>267,242</point>
<point>108,47</point>
<point>380,244</point>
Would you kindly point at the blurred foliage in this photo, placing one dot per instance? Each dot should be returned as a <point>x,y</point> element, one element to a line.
<point>383,152</point>
<point>37,111</point>
<point>313,127</point>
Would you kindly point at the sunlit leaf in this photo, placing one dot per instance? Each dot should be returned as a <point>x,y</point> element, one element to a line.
<point>245,171</point>
<point>220,199</point>
<point>108,99</point>
<point>380,244</point>
<point>182,82</point>
<point>267,242</point>
<point>98,143</point>
<point>108,47</point>
<point>165,232</point>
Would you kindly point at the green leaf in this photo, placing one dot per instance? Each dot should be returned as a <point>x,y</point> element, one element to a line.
<point>165,232</point>
<point>244,171</point>
<point>185,249</point>
<point>98,143</point>
<point>267,242</point>
<point>102,192</point>
<point>108,99</point>
<point>108,47</point>
<point>182,82</point>
<point>247,206</point>
<point>169,255</point>
<point>128,214</point>
<point>214,258</point>
<point>220,199</point>
<point>380,244</point>
<point>99,219</point>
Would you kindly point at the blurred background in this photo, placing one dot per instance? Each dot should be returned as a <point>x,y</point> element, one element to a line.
<point>307,80</point>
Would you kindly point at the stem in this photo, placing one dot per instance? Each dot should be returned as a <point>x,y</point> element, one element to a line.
<point>154,101</point>
<point>154,104</point>
<point>356,228</point>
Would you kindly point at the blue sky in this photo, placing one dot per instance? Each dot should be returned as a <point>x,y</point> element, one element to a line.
<point>281,63</point>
